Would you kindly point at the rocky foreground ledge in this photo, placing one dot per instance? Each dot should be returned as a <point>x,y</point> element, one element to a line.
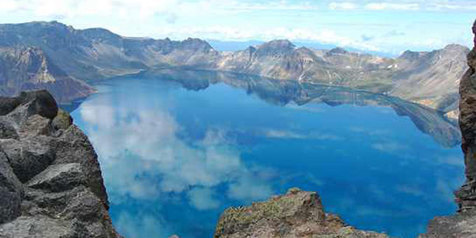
<point>50,180</point>
<point>295,214</point>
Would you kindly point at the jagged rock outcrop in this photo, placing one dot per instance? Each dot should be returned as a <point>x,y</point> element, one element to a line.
<point>463,224</point>
<point>50,180</point>
<point>295,214</point>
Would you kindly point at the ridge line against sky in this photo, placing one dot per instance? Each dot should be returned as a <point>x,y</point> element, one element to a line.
<point>371,25</point>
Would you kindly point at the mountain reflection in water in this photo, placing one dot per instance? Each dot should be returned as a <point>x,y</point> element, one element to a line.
<point>282,92</point>
<point>177,147</point>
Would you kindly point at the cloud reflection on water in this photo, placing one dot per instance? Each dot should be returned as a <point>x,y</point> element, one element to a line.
<point>172,157</point>
<point>144,157</point>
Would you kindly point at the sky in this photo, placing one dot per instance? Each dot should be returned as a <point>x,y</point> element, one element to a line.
<point>370,25</point>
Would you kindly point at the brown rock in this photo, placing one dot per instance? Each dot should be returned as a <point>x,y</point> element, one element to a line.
<point>295,214</point>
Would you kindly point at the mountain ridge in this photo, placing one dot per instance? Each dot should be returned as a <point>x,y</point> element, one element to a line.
<point>97,53</point>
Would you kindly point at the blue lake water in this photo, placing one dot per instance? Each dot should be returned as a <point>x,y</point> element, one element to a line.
<point>177,148</point>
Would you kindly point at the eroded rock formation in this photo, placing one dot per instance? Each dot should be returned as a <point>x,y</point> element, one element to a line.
<point>50,180</point>
<point>295,214</point>
<point>467,194</point>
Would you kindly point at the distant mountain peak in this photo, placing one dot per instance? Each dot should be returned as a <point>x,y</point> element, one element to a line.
<point>337,51</point>
<point>456,47</point>
<point>196,44</point>
<point>275,48</point>
<point>409,55</point>
<point>278,44</point>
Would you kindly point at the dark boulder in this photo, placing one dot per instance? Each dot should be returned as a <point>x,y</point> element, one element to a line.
<point>8,104</point>
<point>10,192</point>
<point>42,103</point>
<point>28,158</point>
<point>7,129</point>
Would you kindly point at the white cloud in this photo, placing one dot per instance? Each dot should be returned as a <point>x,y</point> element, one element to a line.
<point>8,5</point>
<point>247,189</point>
<point>392,6</point>
<point>72,8</point>
<point>135,225</point>
<point>389,146</point>
<point>452,6</point>
<point>239,20</point>
<point>280,134</point>
<point>325,36</point>
<point>342,6</point>
<point>203,198</point>
<point>144,8</point>
<point>286,134</point>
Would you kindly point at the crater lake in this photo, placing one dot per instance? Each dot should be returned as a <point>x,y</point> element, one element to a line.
<point>177,147</point>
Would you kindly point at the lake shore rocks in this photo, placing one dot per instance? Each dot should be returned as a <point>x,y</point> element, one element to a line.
<point>50,180</point>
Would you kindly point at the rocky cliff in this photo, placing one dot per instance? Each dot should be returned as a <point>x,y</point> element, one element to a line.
<point>50,180</point>
<point>467,194</point>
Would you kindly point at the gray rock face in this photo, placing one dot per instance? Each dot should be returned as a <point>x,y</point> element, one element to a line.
<point>11,191</point>
<point>58,178</point>
<point>50,180</point>
<point>296,214</point>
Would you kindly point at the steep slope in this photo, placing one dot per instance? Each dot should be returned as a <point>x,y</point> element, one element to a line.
<point>50,180</point>
<point>70,50</point>
<point>98,53</point>
<point>431,78</point>
<point>29,68</point>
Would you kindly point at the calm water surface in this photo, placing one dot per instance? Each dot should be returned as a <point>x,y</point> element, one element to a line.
<point>176,149</point>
